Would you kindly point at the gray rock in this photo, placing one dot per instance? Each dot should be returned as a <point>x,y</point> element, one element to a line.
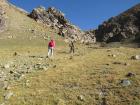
<point>2,12</point>
<point>109,50</point>
<point>125,83</point>
<point>8,95</point>
<point>40,59</point>
<point>126,64</point>
<point>40,66</point>
<point>136,57</point>
<point>102,94</point>
<point>4,84</point>
<point>112,55</point>
<point>18,76</point>
<point>61,102</point>
<point>29,69</point>
<point>81,97</point>
<point>45,68</point>
<point>2,75</point>
<point>130,74</point>
<point>6,66</point>
<point>3,103</point>
<point>27,83</point>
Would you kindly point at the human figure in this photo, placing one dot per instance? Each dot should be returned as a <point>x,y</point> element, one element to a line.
<point>72,47</point>
<point>51,46</point>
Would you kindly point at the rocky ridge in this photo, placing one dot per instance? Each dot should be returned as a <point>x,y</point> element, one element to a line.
<point>124,27</point>
<point>2,16</point>
<point>56,20</point>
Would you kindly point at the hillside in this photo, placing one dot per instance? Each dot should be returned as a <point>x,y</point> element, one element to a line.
<point>124,27</point>
<point>20,26</point>
<point>93,75</point>
<point>56,20</point>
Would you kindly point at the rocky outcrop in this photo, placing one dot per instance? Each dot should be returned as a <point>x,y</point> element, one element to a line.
<point>56,19</point>
<point>2,20</point>
<point>88,37</point>
<point>125,27</point>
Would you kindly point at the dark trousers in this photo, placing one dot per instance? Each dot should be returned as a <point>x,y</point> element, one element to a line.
<point>71,49</point>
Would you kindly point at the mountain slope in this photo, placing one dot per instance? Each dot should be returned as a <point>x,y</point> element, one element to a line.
<point>92,76</point>
<point>55,19</point>
<point>20,26</point>
<point>124,27</point>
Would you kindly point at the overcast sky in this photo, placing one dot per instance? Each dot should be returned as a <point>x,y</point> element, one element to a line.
<point>87,14</point>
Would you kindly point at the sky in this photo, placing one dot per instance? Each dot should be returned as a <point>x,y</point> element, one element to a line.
<point>86,14</point>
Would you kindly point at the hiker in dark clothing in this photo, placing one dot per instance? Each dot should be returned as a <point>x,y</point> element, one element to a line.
<point>72,47</point>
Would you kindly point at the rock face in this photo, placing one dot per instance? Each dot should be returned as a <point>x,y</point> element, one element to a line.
<point>125,27</point>
<point>89,37</point>
<point>3,3</point>
<point>2,19</point>
<point>56,19</point>
<point>50,17</point>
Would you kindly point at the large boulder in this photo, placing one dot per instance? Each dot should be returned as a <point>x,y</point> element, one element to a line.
<point>50,17</point>
<point>56,19</point>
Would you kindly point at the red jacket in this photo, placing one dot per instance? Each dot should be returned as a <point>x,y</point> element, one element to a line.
<point>52,43</point>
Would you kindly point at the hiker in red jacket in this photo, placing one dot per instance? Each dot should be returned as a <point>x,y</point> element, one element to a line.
<point>51,46</point>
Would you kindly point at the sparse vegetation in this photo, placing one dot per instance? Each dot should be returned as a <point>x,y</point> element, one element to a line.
<point>93,75</point>
<point>90,73</point>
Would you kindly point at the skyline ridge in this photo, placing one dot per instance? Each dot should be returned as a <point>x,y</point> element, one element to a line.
<point>83,18</point>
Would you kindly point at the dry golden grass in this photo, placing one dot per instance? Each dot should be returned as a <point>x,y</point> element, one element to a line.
<point>89,77</point>
<point>89,73</point>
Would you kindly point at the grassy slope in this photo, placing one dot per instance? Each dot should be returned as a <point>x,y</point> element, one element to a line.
<point>87,74</point>
<point>20,26</point>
